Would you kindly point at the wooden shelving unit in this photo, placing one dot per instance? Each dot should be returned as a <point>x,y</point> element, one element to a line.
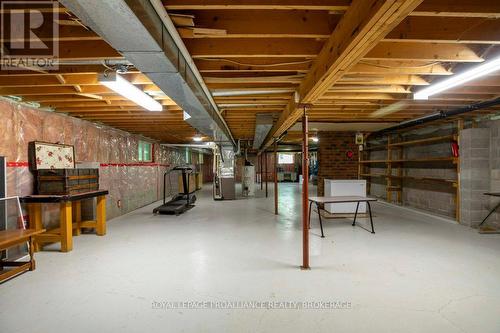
<point>395,164</point>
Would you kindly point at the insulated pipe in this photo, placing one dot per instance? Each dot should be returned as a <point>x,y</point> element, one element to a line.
<point>442,115</point>
<point>305,192</point>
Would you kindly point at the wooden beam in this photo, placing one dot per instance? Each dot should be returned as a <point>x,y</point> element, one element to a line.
<point>398,67</point>
<point>423,52</point>
<point>266,24</point>
<point>465,30</point>
<point>327,5</point>
<point>365,23</point>
<point>78,50</point>
<point>43,80</point>
<point>251,48</point>
<point>382,79</point>
<point>459,8</point>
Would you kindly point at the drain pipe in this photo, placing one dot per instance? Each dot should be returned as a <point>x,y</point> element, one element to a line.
<point>441,115</point>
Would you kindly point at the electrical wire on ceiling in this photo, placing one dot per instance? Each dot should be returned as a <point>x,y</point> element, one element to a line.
<point>386,66</point>
<point>258,65</point>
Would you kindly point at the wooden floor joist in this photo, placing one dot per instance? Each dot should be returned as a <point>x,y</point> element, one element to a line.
<point>365,23</point>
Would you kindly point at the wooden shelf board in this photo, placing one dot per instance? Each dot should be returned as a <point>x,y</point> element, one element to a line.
<point>376,147</point>
<point>443,180</point>
<point>423,141</point>
<point>424,159</point>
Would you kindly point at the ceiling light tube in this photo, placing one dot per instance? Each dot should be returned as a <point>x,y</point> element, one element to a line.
<point>123,87</point>
<point>456,80</point>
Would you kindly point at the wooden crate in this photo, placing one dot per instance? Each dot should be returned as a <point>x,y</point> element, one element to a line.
<point>67,181</point>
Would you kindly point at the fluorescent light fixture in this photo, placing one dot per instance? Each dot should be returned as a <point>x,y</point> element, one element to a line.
<point>185,115</point>
<point>197,138</point>
<point>456,80</point>
<point>315,139</point>
<point>123,87</point>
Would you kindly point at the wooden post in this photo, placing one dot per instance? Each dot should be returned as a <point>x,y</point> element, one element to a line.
<point>66,226</point>
<point>275,177</point>
<point>35,221</point>
<point>101,216</point>
<point>32,254</point>
<point>265,170</point>
<point>77,211</point>
<point>305,192</point>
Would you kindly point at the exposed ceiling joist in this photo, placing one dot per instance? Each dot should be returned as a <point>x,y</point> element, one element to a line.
<point>365,23</point>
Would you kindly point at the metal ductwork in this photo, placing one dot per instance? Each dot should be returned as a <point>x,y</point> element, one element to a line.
<point>136,30</point>
<point>442,115</point>
<point>263,124</point>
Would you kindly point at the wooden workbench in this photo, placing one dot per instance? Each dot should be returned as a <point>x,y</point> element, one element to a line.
<point>11,238</point>
<point>68,203</point>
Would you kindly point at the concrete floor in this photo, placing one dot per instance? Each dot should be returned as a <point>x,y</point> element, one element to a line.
<point>417,274</point>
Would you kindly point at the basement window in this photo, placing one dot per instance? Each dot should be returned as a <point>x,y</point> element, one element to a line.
<point>145,151</point>
<point>285,158</point>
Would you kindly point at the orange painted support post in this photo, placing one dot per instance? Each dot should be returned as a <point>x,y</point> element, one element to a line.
<point>305,192</point>
<point>265,171</point>
<point>275,177</point>
<point>261,179</point>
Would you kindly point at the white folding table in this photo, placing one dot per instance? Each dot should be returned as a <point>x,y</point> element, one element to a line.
<point>341,199</point>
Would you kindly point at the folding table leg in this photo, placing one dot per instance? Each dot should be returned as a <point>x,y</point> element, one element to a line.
<point>355,215</point>
<point>320,222</point>
<point>491,212</point>
<point>371,218</point>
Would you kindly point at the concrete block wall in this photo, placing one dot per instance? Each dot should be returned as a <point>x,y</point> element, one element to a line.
<point>475,174</point>
<point>494,127</point>
<point>438,198</point>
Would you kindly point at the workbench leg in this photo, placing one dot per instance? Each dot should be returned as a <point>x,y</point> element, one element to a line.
<point>320,222</point>
<point>77,210</point>
<point>31,252</point>
<point>35,220</point>
<point>66,227</point>
<point>355,215</point>
<point>101,215</point>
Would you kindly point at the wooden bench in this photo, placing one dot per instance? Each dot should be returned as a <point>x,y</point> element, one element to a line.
<point>11,238</point>
<point>68,204</point>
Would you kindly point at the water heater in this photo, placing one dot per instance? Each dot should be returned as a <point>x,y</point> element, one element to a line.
<point>248,181</point>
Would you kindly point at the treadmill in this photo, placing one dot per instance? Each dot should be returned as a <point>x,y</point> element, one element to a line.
<point>181,202</point>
